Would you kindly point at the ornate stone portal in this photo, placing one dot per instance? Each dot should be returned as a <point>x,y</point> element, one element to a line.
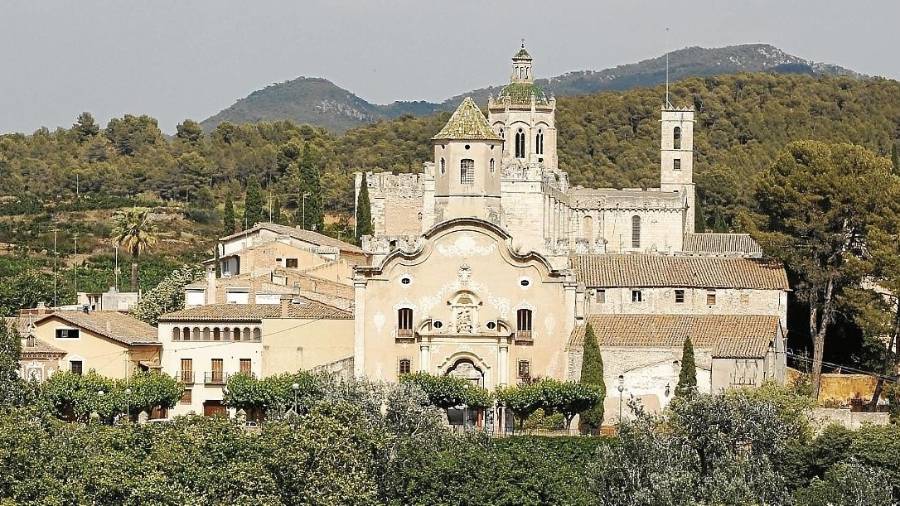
<point>466,370</point>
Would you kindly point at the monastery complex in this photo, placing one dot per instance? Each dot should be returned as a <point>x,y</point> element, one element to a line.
<point>487,265</point>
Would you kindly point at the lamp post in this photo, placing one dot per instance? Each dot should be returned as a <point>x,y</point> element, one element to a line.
<point>127,395</point>
<point>295,387</point>
<point>621,388</point>
<point>100,394</point>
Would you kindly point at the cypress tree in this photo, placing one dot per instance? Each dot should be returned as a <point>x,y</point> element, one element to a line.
<point>592,374</point>
<point>687,378</point>
<point>12,388</point>
<point>311,211</point>
<point>228,217</point>
<point>253,203</point>
<point>363,211</point>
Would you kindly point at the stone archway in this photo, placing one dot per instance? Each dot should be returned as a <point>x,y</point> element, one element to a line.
<point>466,369</point>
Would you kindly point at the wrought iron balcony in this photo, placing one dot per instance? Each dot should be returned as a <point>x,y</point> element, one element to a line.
<point>186,377</point>
<point>524,336</point>
<point>214,378</point>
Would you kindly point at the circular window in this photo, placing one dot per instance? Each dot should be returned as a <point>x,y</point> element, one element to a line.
<point>491,325</point>
<point>438,324</point>
<point>405,280</point>
<point>467,146</point>
<point>524,282</point>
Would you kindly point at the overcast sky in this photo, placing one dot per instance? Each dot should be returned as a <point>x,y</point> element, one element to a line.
<point>179,59</point>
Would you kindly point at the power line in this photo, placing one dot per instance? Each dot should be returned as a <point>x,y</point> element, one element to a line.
<point>804,358</point>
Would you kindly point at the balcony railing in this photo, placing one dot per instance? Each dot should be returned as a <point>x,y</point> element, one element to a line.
<point>186,377</point>
<point>214,378</point>
<point>405,333</point>
<point>524,336</point>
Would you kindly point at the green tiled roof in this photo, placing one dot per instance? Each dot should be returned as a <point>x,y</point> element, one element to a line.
<point>522,54</point>
<point>467,123</point>
<point>521,93</point>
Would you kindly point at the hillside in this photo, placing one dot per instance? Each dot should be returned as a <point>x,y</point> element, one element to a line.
<point>74,179</point>
<point>319,102</point>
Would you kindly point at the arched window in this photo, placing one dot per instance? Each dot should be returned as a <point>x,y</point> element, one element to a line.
<point>217,334</point>
<point>443,166</point>
<point>226,334</point>
<point>539,142</point>
<point>186,334</point>
<point>206,334</point>
<point>246,333</point>
<point>404,366</point>
<point>257,334</point>
<point>405,322</point>
<point>676,138</point>
<point>635,231</point>
<point>520,144</point>
<point>523,324</point>
<point>196,334</point>
<point>467,171</point>
<point>492,165</point>
<point>176,334</point>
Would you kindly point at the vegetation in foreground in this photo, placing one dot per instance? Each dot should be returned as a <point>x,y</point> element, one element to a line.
<point>359,442</point>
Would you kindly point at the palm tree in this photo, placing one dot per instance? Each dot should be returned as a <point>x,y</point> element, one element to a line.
<point>134,231</point>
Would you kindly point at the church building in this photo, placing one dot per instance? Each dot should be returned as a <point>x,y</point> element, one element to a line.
<point>488,264</point>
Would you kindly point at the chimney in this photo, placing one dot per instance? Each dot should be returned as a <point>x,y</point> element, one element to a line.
<point>286,301</point>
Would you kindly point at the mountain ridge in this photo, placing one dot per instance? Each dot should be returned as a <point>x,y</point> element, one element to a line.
<point>318,101</point>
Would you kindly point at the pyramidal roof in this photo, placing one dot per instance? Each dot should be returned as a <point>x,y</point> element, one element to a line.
<point>467,123</point>
<point>522,54</point>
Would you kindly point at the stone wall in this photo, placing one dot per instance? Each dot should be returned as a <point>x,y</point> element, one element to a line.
<point>853,420</point>
<point>730,301</point>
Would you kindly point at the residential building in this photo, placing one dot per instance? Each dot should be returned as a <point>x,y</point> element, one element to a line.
<point>206,344</point>
<point>113,344</point>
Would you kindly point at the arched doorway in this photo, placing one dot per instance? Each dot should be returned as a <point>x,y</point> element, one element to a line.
<point>466,418</point>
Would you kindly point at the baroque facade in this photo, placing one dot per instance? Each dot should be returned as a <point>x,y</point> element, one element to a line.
<point>488,264</point>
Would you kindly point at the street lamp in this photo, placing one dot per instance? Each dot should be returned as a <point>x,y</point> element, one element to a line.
<point>295,387</point>
<point>621,388</point>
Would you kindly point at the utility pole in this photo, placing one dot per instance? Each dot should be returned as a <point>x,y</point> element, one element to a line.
<point>117,267</point>
<point>55,270</point>
<point>76,268</point>
<point>303,209</point>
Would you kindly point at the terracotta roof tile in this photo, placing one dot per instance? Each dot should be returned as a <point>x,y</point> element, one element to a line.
<point>721,244</point>
<point>304,309</point>
<point>117,326</point>
<point>654,270</point>
<point>723,335</point>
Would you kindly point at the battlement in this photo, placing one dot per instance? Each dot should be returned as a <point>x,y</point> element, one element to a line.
<point>404,185</point>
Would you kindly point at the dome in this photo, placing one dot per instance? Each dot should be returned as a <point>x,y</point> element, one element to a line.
<point>522,92</point>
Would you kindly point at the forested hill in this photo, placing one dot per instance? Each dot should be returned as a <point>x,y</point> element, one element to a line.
<point>73,179</point>
<point>319,102</point>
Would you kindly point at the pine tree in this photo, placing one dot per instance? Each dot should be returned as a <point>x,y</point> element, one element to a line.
<point>85,127</point>
<point>253,203</point>
<point>592,374</point>
<point>363,211</point>
<point>687,378</point>
<point>311,213</point>
<point>228,217</point>
<point>276,211</point>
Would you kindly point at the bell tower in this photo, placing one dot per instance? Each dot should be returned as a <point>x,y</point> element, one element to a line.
<point>677,157</point>
<point>523,116</point>
<point>467,167</point>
